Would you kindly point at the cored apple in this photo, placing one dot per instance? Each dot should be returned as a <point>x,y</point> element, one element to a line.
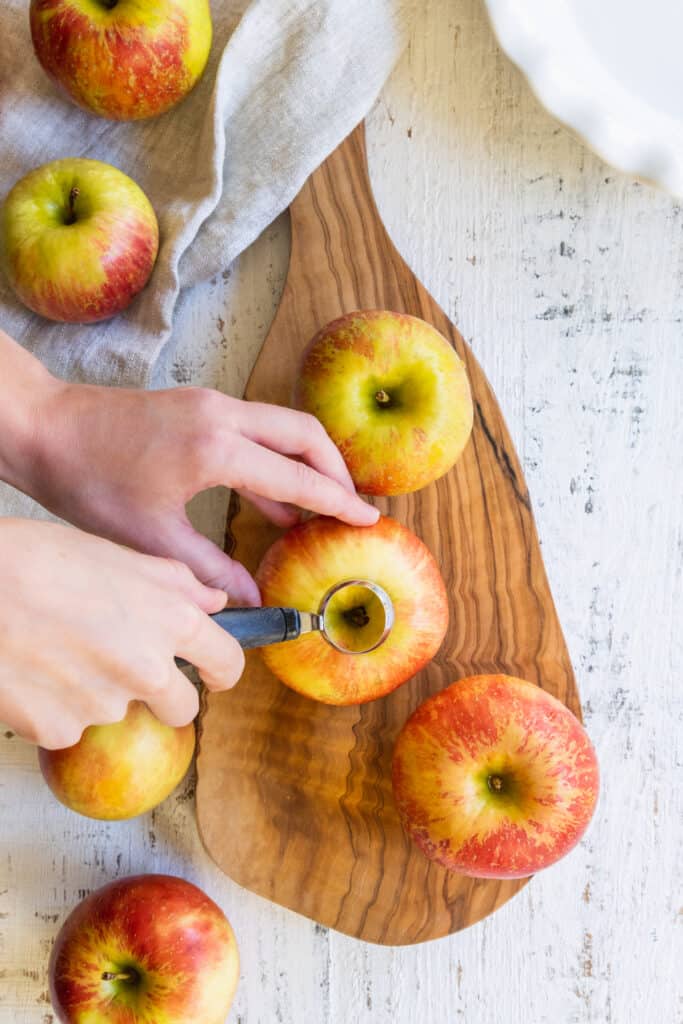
<point>120,770</point>
<point>78,240</point>
<point>392,394</point>
<point>495,778</point>
<point>306,562</point>
<point>123,59</point>
<point>150,949</point>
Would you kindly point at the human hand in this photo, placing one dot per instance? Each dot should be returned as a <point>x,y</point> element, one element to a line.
<point>88,626</point>
<point>123,464</point>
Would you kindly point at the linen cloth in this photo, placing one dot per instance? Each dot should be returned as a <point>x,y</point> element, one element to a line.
<point>286,81</point>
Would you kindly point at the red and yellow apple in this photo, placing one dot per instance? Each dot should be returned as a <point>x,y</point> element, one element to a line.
<point>78,240</point>
<point>392,394</point>
<point>495,778</point>
<point>307,561</point>
<point>150,949</point>
<point>123,59</point>
<point>120,770</point>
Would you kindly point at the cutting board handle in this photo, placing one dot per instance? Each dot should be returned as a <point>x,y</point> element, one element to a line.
<point>335,215</point>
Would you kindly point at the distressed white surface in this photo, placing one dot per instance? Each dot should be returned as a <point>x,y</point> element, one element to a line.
<point>567,279</point>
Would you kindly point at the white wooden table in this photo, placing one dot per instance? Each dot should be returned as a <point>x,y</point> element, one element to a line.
<point>567,279</point>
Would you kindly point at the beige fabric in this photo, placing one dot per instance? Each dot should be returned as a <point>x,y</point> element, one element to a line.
<point>285,83</point>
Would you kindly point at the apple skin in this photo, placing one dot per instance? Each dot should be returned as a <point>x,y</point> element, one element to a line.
<point>299,569</point>
<point>487,728</point>
<point>120,770</point>
<point>78,240</point>
<point>130,60</point>
<point>176,940</point>
<point>421,432</point>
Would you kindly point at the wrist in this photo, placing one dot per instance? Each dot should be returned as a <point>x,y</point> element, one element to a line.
<point>27,390</point>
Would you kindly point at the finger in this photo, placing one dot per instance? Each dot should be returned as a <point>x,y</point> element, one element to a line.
<point>278,478</point>
<point>217,656</point>
<point>97,700</point>
<point>178,703</point>
<point>56,732</point>
<point>166,564</point>
<point>58,736</point>
<point>294,433</point>
<point>277,511</point>
<point>219,572</point>
<point>39,717</point>
<point>205,574</point>
<point>112,708</point>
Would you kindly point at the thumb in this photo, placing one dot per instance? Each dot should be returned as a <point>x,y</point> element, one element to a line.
<point>209,564</point>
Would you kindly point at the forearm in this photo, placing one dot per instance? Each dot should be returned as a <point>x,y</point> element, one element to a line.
<point>25,389</point>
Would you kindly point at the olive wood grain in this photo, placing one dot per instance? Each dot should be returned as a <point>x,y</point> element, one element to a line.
<point>294,798</point>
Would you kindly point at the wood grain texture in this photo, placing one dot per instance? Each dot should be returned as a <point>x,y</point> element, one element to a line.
<point>313,781</point>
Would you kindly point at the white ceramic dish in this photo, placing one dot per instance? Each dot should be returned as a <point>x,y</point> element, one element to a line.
<point>611,70</point>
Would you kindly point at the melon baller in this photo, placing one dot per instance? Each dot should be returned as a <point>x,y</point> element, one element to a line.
<point>355,617</point>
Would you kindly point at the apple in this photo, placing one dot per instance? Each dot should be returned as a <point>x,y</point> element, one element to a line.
<point>120,770</point>
<point>307,561</point>
<point>123,59</point>
<point>149,949</point>
<point>392,394</point>
<point>495,778</point>
<point>78,240</point>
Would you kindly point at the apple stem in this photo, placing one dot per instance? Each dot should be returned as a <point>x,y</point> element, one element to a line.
<point>120,976</point>
<point>73,196</point>
<point>382,397</point>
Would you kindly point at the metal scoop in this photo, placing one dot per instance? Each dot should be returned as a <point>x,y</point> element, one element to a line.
<point>355,617</point>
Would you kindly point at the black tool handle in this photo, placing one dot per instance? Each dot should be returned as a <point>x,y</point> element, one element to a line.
<point>258,627</point>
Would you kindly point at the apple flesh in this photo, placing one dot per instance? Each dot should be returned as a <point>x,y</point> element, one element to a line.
<point>123,59</point>
<point>392,394</point>
<point>121,770</point>
<point>495,778</point>
<point>78,240</point>
<point>149,949</point>
<point>307,561</point>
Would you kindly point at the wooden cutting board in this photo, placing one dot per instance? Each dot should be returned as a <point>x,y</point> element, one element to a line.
<point>294,797</point>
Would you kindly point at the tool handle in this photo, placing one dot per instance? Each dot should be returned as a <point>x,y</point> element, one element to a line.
<point>257,627</point>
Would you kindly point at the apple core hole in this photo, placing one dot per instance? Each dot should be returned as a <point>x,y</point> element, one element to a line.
<point>495,783</point>
<point>355,619</point>
<point>383,399</point>
<point>357,616</point>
